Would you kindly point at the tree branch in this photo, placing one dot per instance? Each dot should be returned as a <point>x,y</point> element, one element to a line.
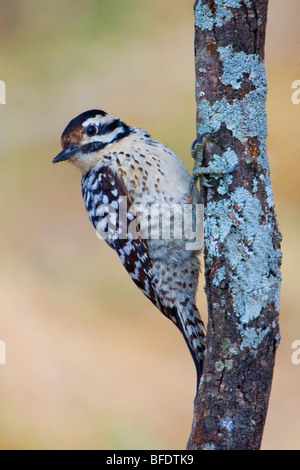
<point>242,240</point>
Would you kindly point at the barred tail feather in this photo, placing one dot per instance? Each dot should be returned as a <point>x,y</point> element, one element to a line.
<point>187,319</point>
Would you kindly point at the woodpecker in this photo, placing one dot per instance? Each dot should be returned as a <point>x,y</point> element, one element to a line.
<point>118,163</point>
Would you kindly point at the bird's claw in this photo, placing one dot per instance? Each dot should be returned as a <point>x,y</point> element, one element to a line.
<point>196,143</point>
<point>206,184</point>
<point>230,170</point>
<point>197,151</point>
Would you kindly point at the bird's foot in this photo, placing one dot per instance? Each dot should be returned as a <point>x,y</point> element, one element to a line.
<point>197,152</point>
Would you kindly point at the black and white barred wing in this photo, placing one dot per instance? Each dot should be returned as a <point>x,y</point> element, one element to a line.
<point>112,213</point>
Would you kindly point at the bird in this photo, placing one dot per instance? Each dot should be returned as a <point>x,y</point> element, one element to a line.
<point>122,165</point>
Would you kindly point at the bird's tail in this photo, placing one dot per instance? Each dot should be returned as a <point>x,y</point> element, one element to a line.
<point>192,328</point>
<point>187,318</point>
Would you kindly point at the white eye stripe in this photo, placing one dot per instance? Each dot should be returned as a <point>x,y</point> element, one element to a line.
<point>110,137</point>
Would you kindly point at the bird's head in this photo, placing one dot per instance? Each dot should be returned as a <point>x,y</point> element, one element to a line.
<point>88,133</point>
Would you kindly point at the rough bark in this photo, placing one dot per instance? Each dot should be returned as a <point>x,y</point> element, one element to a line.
<point>242,240</point>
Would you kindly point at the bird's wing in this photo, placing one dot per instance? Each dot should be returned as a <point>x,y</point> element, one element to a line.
<point>111,211</point>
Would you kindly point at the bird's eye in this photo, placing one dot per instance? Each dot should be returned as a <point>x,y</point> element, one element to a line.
<point>91,130</point>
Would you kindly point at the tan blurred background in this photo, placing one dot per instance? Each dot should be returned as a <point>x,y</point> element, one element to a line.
<point>90,362</point>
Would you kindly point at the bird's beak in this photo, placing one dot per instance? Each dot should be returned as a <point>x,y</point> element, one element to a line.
<point>65,154</point>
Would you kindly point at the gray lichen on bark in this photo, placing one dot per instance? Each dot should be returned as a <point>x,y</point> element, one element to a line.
<point>242,240</point>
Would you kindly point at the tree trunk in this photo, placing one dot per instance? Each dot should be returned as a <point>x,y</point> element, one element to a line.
<point>242,240</point>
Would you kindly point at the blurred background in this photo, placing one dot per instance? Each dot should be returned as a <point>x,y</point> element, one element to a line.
<point>90,362</point>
